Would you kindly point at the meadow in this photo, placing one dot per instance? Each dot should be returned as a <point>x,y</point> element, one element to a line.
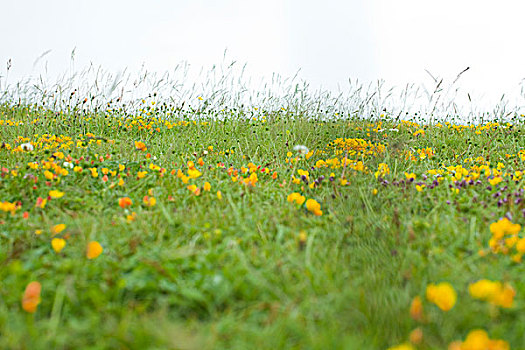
<point>172,227</point>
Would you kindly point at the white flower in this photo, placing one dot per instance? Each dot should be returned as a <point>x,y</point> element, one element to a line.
<point>27,147</point>
<point>301,149</point>
<point>68,165</point>
<point>396,130</point>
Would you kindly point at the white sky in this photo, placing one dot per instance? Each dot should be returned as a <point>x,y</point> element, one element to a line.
<point>329,40</point>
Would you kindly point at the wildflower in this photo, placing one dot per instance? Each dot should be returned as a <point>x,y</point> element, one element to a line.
<point>124,202</point>
<point>49,175</point>
<point>141,146</point>
<point>442,294</point>
<point>504,227</point>
<point>141,174</point>
<point>94,172</point>
<point>296,197</point>
<point>149,201</point>
<point>382,170</point>
<point>313,206</point>
<point>207,186</point>
<point>56,194</point>
<point>132,217</point>
<point>58,244</point>
<point>194,189</point>
<point>8,207</point>
<point>374,191</point>
<point>478,339</point>
<point>416,336</point>
<point>219,195</point>
<point>493,291</point>
<point>194,173</point>
<point>94,249</point>
<point>410,176</point>
<point>58,228</point>
<point>496,180</point>
<point>416,309</point>
<point>31,297</point>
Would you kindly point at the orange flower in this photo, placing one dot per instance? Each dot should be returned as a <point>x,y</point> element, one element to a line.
<point>94,249</point>
<point>416,309</point>
<point>31,297</point>
<point>58,228</point>
<point>141,146</point>
<point>124,202</point>
<point>193,188</point>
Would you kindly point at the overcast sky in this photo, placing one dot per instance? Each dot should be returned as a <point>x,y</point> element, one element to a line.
<point>330,41</point>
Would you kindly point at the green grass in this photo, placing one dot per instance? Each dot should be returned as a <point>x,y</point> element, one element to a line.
<point>250,270</point>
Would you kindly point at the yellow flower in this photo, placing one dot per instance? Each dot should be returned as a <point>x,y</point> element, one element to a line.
<point>296,197</point>
<point>442,294</point>
<point>131,217</point>
<point>193,173</point>
<point>219,195</point>
<point>207,186</point>
<point>55,194</point>
<point>49,175</point>
<point>94,172</point>
<point>504,227</point>
<point>478,339</point>
<point>410,176</point>
<point>58,228</point>
<point>495,180</point>
<point>94,249</point>
<point>484,289</point>
<point>520,246</point>
<point>58,244</point>
<point>313,206</point>
<point>141,174</point>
